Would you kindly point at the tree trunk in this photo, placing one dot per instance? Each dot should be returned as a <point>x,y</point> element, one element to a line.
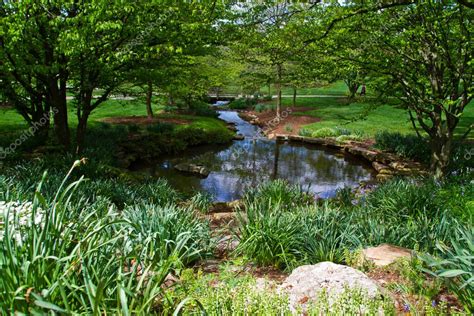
<point>276,160</point>
<point>149,95</point>
<point>353,90</point>
<point>269,89</point>
<point>294,97</point>
<point>441,147</point>
<point>278,86</point>
<point>81,132</point>
<point>60,116</point>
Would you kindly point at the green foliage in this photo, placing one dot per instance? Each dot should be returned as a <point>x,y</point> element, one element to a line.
<point>242,103</point>
<point>201,201</point>
<point>455,264</point>
<point>102,259</point>
<point>326,132</point>
<point>277,192</point>
<point>194,135</point>
<point>415,281</point>
<point>408,146</point>
<point>231,293</point>
<point>161,128</point>
<point>345,138</point>
<point>276,229</point>
<point>262,107</point>
<point>305,132</point>
<point>201,108</point>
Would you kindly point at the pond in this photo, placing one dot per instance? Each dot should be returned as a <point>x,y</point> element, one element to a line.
<point>246,163</point>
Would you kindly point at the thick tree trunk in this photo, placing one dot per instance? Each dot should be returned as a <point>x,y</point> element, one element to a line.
<point>149,95</point>
<point>59,109</point>
<point>40,119</point>
<point>294,96</point>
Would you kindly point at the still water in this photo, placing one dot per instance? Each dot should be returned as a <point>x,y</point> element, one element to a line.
<point>249,162</point>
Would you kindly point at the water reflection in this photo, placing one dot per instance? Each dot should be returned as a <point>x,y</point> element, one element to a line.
<point>244,164</point>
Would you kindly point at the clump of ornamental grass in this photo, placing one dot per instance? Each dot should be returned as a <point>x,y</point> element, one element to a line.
<point>87,257</point>
<point>276,228</point>
<point>455,265</point>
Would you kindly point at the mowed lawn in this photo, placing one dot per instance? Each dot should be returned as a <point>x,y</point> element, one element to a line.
<point>12,123</point>
<point>366,117</point>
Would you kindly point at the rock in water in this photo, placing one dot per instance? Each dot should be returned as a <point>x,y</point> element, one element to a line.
<point>193,168</point>
<point>307,283</point>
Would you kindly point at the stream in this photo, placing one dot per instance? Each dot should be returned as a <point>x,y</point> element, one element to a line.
<point>247,163</point>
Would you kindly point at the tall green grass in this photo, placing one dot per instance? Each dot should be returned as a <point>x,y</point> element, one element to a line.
<point>85,256</point>
<point>455,266</point>
<point>289,232</point>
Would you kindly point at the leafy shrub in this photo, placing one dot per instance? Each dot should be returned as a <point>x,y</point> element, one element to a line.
<point>133,128</point>
<point>304,132</point>
<point>265,107</point>
<point>455,266</point>
<point>345,138</point>
<point>201,108</point>
<point>161,128</point>
<point>170,108</point>
<point>325,132</point>
<point>193,135</point>
<point>288,128</point>
<point>408,146</point>
<point>267,98</point>
<point>342,131</point>
<point>242,103</point>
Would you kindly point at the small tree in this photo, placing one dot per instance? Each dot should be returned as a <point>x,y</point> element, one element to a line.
<point>425,50</point>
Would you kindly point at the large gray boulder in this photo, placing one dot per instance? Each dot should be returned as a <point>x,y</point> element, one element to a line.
<point>307,283</point>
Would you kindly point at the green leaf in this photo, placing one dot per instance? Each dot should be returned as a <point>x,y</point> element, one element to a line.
<point>451,273</point>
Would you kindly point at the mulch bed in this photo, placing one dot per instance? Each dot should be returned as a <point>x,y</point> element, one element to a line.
<point>289,124</point>
<point>143,120</point>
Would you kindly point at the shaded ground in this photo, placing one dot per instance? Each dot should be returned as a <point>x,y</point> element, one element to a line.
<point>144,120</point>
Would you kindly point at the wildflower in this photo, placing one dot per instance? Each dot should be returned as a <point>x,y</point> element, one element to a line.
<point>406,308</point>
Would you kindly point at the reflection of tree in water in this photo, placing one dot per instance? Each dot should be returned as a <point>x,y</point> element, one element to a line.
<point>250,162</point>
<point>317,168</point>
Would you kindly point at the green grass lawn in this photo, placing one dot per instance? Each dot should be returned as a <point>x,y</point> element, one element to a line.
<point>12,123</point>
<point>335,88</point>
<point>366,117</point>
